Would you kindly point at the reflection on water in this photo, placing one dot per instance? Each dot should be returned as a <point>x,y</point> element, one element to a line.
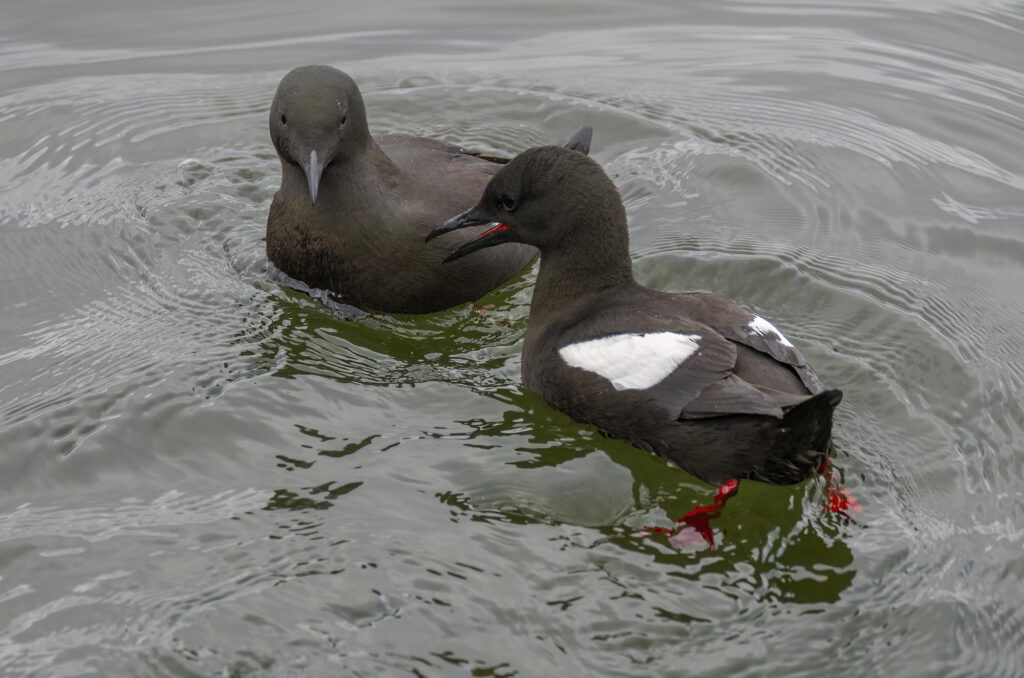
<point>804,560</point>
<point>205,472</point>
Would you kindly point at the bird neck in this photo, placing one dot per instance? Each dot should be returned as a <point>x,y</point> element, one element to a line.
<point>582,267</point>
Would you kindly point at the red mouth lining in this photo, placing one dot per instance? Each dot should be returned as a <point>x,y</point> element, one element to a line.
<point>499,227</point>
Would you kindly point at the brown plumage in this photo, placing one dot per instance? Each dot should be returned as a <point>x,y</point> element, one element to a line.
<point>352,209</point>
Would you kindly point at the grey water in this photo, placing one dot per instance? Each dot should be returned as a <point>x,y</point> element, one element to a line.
<point>204,473</point>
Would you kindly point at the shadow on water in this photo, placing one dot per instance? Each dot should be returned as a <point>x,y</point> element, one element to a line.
<point>774,543</point>
<point>380,349</point>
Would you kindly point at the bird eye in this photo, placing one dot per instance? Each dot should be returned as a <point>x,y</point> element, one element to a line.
<point>284,119</point>
<point>506,202</point>
<point>344,118</point>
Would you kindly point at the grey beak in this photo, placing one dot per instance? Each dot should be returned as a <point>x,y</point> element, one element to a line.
<point>495,234</point>
<point>463,220</point>
<point>313,170</point>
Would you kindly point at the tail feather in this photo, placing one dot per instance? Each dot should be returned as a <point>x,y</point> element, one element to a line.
<point>777,451</point>
<point>578,140</point>
<point>802,441</point>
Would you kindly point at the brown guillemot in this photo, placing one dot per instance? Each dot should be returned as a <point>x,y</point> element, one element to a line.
<point>352,209</point>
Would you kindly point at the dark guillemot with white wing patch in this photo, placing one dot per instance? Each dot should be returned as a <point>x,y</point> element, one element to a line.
<point>693,377</point>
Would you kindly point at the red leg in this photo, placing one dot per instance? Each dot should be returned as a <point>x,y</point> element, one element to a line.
<point>695,526</point>
<point>837,498</point>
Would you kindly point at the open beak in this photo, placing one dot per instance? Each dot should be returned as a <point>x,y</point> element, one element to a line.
<point>496,234</point>
<point>313,169</point>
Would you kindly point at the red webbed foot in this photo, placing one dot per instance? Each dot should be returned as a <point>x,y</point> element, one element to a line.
<point>837,498</point>
<point>694,528</point>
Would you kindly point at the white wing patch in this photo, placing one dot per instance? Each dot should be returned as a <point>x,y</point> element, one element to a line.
<point>632,361</point>
<point>761,326</point>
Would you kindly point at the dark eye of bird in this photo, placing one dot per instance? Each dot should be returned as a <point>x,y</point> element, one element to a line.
<point>284,119</point>
<point>508,203</point>
<point>343,119</point>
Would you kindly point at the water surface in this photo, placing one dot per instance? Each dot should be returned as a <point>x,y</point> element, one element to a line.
<point>204,473</point>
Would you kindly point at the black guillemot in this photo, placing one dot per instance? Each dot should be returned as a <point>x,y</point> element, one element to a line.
<point>693,377</point>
